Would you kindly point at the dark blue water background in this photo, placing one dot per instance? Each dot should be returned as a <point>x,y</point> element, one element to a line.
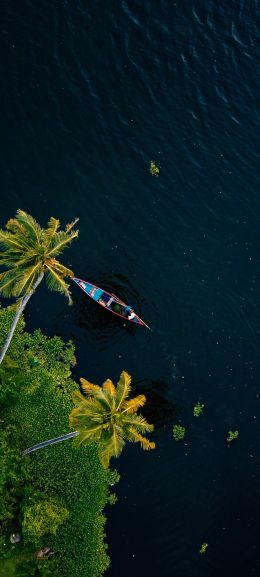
<point>91,92</point>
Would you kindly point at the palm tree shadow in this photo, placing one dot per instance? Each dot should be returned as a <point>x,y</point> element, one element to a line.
<point>159,409</point>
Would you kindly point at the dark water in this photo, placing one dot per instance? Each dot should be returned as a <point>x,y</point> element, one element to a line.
<point>91,92</point>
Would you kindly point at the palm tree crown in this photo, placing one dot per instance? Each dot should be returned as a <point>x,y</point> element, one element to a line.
<point>107,416</point>
<point>29,251</point>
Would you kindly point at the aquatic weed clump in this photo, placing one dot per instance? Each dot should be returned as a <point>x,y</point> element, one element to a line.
<point>178,432</point>
<point>198,409</point>
<point>203,548</point>
<point>232,435</point>
<point>154,169</point>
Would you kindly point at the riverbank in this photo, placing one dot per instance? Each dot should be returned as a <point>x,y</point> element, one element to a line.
<point>54,498</point>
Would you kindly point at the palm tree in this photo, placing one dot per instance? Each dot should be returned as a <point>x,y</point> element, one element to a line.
<point>28,252</point>
<point>108,417</point>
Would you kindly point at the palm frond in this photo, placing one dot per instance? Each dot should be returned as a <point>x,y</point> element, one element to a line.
<point>87,411</point>
<point>123,388</point>
<point>89,435</point>
<point>3,275</point>
<point>62,270</point>
<point>117,441</point>
<point>132,405</point>
<point>137,421</point>
<point>88,387</point>
<point>15,226</point>
<point>71,224</point>
<point>145,443</point>
<point>109,387</point>
<point>60,241</point>
<point>8,283</point>
<point>53,227</point>
<point>111,447</point>
<point>104,457</point>
<point>30,225</point>
<point>19,260</point>
<point>11,242</point>
<point>97,392</point>
<point>104,398</point>
<point>55,282</point>
<point>26,278</point>
<point>77,397</point>
<point>18,230</point>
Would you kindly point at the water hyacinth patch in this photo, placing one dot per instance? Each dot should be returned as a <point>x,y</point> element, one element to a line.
<point>198,409</point>
<point>154,169</point>
<point>232,435</point>
<point>203,548</point>
<point>178,432</point>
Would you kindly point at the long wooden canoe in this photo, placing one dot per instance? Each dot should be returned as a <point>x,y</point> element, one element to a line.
<point>110,302</point>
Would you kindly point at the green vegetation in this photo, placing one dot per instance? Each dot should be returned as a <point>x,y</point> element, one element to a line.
<point>29,252</point>
<point>203,548</point>
<point>232,435</point>
<point>53,498</point>
<point>42,518</point>
<point>106,416</point>
<point>154,169</point>
<point>198,409</point>
<point>178,432</point>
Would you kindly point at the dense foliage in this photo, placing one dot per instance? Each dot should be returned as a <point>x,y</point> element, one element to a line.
<point>53,498</point>
<point>42,517</point>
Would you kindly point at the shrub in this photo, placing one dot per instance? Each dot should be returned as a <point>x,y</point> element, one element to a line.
<point>43,518</point>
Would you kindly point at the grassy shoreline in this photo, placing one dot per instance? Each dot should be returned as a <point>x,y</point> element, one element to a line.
<point>36,388</point>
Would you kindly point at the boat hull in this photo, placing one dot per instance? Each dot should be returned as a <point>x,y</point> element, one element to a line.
<point>109,301</point>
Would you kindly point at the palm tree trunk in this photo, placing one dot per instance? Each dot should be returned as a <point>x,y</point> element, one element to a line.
<point>18,313</point>
<point>50,442</point>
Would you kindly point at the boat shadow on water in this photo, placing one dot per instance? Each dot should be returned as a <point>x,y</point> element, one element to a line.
<point>90,316</point>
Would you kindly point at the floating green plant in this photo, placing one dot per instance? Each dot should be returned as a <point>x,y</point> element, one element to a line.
<point>154,169</point>
<point>198,409</point>
<point>178,432</point>
<point>203,548</point>
<point>232,435</point>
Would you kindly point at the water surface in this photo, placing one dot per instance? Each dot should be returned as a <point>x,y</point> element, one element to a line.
<point>91,93</point>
